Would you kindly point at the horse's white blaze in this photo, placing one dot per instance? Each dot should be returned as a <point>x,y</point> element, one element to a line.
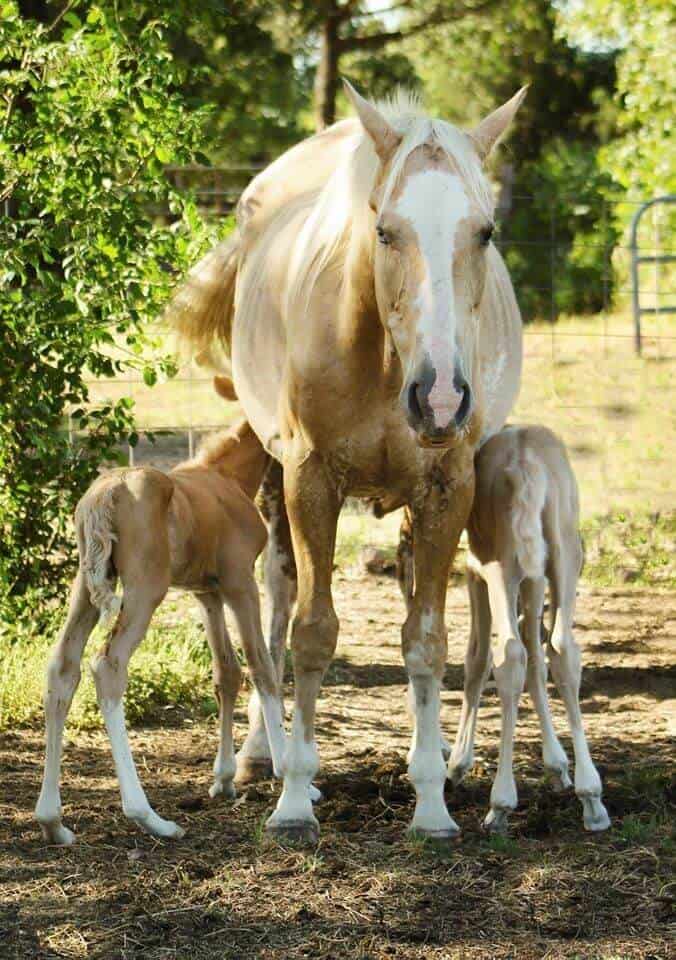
<point>434,202</point>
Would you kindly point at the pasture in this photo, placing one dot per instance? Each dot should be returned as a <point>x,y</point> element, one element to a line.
<point>547,889</point>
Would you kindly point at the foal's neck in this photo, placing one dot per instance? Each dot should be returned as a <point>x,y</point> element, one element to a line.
<point>237,453</point>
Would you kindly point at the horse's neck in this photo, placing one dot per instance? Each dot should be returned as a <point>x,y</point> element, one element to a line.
<point>241,457</point>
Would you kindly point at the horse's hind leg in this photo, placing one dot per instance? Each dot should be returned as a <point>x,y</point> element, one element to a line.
<point>63,677</point>
<point>566,663</point>
<point>109,669</point>
<point>553,755</point>
<point>244,602</point>
<point>254,760</point>
<point>477,669</point>
<point>227,679</point>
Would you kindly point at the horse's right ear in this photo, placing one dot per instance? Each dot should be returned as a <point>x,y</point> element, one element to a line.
<point>225,388</point>
<point>385,139</point>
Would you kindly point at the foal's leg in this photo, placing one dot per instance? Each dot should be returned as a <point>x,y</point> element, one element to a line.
<point>477,669</point>
<point>436,529</point>
<point>553,755</point>
<point>109,669</point>
<point>313,504</point>
<point>244,602</point>
<point>63,677</point>
<point>227,679</point>
<point>566,663</point>
<point>509,670</point>
<point>254,761</point>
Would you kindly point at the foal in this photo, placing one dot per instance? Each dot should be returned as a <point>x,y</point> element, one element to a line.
<point>523,528</point>
<point>195,528</point>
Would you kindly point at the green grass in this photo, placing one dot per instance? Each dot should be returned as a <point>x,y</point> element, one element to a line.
<point>170,671</point>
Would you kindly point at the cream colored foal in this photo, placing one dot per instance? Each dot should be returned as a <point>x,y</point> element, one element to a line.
<point>196,528</point>
<point>523,529</point>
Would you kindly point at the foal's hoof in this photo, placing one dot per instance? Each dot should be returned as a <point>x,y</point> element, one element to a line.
<point>252,769</point>
<point>303,833</point>
<point>497,820</point>
<point>223,788</point>
<point>56,833</point>
<point>156,826</point>
<point>595,814</point>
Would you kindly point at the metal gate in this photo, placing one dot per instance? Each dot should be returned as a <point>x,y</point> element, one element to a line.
<point>637,259</point>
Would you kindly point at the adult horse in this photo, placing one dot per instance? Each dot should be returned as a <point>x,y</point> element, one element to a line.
<point>374,339</point>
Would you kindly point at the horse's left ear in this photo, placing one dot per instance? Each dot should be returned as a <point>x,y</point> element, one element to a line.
<point>225,388</point>
<point>385,139</point>
<point>489,131</point>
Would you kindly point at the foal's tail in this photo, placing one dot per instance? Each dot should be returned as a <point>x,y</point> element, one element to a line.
<point>529,491</point>
<point>202,309</point>
<point>94,520</point>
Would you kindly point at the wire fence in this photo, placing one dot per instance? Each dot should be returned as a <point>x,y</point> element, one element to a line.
<point>581,374</point>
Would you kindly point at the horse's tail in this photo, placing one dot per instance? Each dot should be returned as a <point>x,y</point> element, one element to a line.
<point>95,522</point>
<point>201,310</point>
<point>529,491</point>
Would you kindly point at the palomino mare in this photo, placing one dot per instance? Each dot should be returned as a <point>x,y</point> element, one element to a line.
<point>374,338</point>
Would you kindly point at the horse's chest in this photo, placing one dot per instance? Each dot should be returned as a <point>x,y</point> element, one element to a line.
<point>374,461</point>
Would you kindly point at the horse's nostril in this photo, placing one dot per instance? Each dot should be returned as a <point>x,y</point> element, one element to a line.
<point>463,410</point>
<point>413,403</point>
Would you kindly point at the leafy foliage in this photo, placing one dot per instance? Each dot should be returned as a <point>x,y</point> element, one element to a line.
<point>93,112</point>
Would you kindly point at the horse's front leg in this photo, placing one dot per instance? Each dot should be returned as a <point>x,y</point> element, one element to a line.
<point>436,530</point>
<point>313,504</point>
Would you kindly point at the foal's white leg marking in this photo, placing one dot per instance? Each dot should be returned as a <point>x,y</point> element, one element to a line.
<point>301,765</point>
<point>63,677</point>
<point>477,669</point>
<point>509,670</point>
<point>553,755</point>
<point>566,665</point>
<point>134,801</point>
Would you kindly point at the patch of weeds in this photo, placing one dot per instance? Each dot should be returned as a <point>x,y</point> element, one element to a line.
<point>639,830</point>
<point>637,548</point>
<point>503,844</point>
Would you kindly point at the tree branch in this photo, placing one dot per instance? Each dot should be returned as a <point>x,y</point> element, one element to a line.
<point>440,15</point>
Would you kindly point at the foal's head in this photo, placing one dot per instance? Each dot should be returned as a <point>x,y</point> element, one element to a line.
<point>433,225</point>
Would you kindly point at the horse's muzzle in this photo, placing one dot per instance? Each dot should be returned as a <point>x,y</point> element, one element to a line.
<point>438,424</point>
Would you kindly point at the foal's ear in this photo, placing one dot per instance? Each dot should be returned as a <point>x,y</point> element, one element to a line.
<point>385,139</point>
<point>489,131</point>
<point>225,388</point>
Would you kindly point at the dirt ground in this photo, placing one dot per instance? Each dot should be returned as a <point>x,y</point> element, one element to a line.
<point>225,891</point>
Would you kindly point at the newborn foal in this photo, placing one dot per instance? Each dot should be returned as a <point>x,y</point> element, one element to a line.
<point>195,528</point>
<point>524,527</point>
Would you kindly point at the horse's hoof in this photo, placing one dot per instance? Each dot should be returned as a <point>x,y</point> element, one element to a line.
<point>497,820</point>
<point>442,837</point>
<point>297,832</point>
<point>223,788</point>
<point>252,769</point>
<point>596,817</point>
<point>57,834</point>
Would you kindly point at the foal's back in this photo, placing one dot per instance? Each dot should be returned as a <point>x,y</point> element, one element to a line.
<point>526,502</point>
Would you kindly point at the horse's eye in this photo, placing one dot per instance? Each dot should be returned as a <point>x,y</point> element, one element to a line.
<point>485,234</point>
<point>383,236</point>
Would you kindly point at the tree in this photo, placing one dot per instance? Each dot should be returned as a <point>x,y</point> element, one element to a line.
<point>642,33</point>
<point>92,113</point>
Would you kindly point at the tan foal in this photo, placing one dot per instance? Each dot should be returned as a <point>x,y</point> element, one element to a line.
<point>523,529</point>
<point>195,528</point>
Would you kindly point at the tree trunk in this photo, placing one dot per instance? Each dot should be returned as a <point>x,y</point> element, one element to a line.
<point>326,80</point>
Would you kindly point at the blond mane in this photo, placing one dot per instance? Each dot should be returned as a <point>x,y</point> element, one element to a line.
<point>340,214</point>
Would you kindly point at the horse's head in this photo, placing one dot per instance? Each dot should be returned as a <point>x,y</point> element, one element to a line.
<point>433,224</point>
